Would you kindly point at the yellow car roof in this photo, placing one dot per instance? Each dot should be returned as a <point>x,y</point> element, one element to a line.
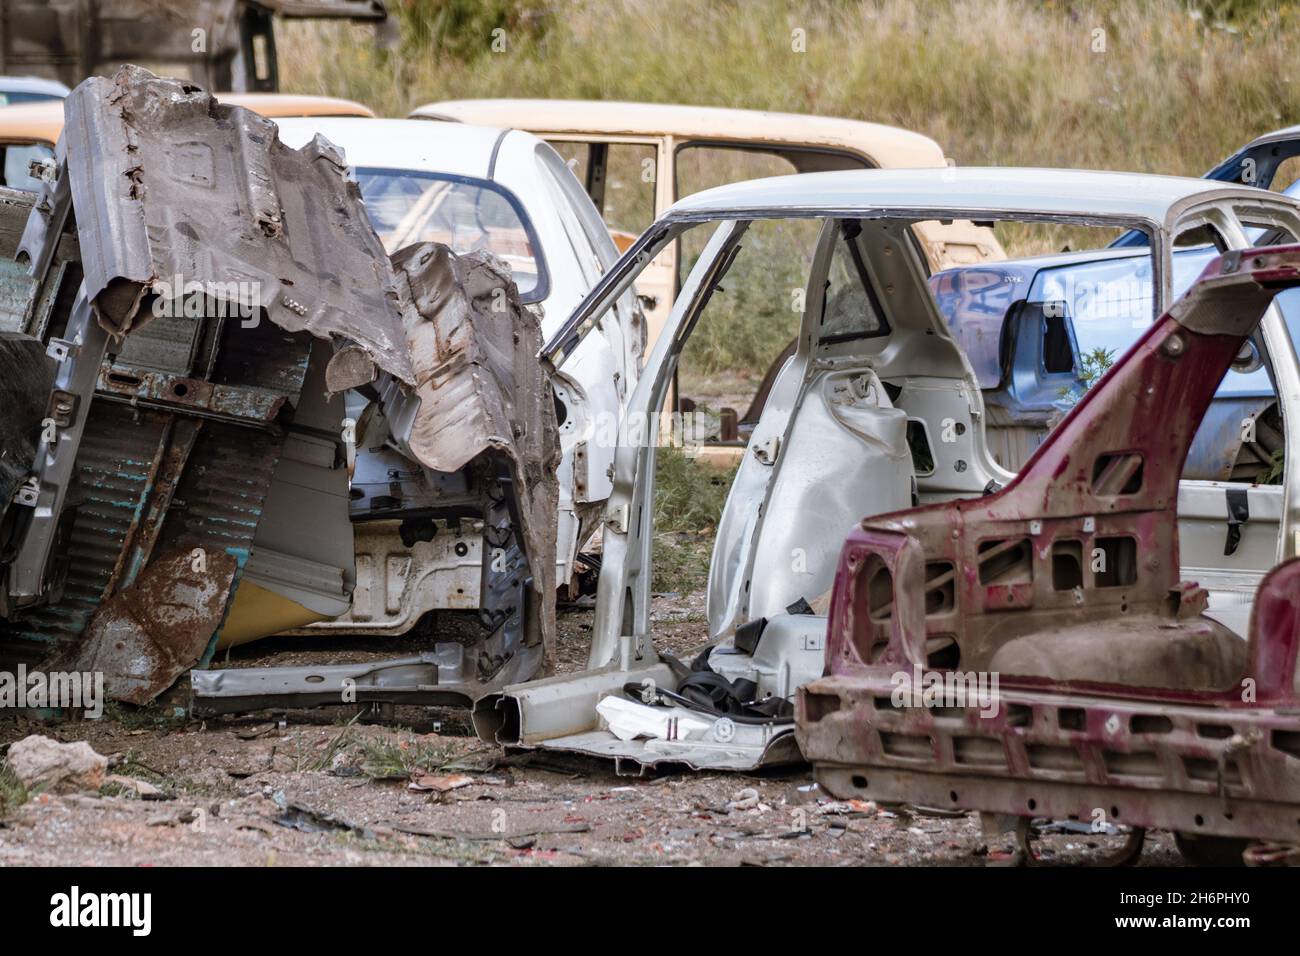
<point>885,146</point>
<point>42,122</point>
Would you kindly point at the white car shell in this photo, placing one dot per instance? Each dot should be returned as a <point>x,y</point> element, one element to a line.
<point>396,584</point>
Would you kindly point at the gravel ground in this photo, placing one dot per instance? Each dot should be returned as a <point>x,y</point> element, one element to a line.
<point>312,790</point>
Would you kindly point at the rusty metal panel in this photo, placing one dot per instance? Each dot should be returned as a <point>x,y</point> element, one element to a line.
<point>113,465</point>
<point>143,637</point>
<point>171,185</point>
<point>220,498</point>
<point>126,489</point>
<point>213,509</point>
<point>1111,688</point>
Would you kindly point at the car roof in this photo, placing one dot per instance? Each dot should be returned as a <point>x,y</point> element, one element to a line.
<point>44,121</point>
<point>887,146</point>
<point>32,84</point>
<point>295,104</point>
<point>966,192</point>
<point>457,149</point>
<point>1288,132</point>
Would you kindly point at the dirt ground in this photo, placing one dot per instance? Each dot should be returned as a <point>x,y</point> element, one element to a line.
<point>312,788</point>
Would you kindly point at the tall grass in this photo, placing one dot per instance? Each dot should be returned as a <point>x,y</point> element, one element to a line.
<point>689,497</point>
<point>12,792</point>
<point>1000,82</point>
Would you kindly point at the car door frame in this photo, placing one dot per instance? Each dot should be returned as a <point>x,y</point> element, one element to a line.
<point>663,270</point>
<point>1222,212</point>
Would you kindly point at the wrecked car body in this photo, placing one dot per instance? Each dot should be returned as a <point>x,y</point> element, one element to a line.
<point>506,192</point>
<point>1118,699</point>
<point>199,296</point>
<point>877,409</point>
<point>1032,328</point>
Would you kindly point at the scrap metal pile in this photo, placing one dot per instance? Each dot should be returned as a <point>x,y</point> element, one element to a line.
<point>200,331</point>
<point>185,300</point>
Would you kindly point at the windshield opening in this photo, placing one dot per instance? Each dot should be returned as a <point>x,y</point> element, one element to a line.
<point>407,207</point>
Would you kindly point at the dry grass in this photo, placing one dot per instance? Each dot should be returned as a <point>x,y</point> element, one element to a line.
<point>384,758</point>
<point>995,82</point>
<point>689,496</point>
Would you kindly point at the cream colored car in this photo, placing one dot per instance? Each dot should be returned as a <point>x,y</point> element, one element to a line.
<point>662,145</point>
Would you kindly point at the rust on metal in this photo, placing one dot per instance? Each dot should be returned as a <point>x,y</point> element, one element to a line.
<point>169,464</point>
<point>148,634</point>
<point>1115,690</point>
<point>215,256</point>
<point>214,199</point>
<point>481,390</point>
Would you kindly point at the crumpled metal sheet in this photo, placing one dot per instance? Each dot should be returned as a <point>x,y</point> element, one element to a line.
<point>221,494</point>
<point>113,466</point>
<point>481,389</point>
<point>145,636</point>
<point>168,182</point>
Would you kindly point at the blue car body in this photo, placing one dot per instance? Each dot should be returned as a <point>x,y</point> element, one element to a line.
<point>1029,325</point>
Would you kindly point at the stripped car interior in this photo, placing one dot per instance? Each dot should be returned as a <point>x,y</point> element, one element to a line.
<point>876,367</point>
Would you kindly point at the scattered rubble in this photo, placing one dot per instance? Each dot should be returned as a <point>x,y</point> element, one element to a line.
<point>231,780</point>
<point>439,783</point>
<point>46,765</point>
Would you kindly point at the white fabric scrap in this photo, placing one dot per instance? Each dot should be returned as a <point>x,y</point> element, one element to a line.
<point>626,719</point>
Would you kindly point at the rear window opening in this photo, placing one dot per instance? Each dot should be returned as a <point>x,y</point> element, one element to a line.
<point>1117,473</point>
